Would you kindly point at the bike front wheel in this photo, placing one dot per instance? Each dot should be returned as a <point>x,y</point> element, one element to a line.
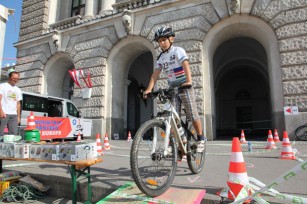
<point>152,171</point>
<point>301,132</point>
<point>196,160</point>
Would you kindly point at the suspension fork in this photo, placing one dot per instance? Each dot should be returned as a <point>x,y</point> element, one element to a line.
<point>167,123</point>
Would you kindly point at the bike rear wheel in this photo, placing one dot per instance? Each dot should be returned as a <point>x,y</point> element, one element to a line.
<point>152,172</point>
<point>196,160</point>
<point>301,133</point>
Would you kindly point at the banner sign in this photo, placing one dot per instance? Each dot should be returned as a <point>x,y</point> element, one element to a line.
<point>55,128</point>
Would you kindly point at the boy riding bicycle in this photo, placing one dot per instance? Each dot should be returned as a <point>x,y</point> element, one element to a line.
<point>174,62</point>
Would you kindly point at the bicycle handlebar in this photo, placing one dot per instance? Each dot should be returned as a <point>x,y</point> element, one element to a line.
<point>164,94</point>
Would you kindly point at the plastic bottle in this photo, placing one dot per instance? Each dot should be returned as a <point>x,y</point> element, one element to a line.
<point>181,133</point>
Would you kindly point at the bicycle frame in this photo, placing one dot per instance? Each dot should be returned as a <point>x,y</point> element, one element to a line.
<point>170,123</point>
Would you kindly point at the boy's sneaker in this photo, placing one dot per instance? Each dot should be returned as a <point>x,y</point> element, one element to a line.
<point>201,146</point>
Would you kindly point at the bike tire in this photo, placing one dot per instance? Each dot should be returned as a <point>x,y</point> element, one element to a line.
<point>301,133</point>
<point>196,160</point>
<point>153,173</point>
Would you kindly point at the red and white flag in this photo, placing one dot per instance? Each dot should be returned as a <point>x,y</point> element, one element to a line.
<point>77,74</point>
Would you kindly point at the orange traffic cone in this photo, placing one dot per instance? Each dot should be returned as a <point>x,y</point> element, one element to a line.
<point>237,176</point>
<point>79,138</point>
<point>129,136</point>
<point>242,139</point>
<point>276,137</point>
<point>99,147</point>
<point>270,143</point>
<point>106,142</point>
<point>31,122</point>
<point>286,150</point>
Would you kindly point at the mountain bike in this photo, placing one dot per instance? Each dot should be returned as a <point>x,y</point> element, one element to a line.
<point>158,145</point>
<point>301,132</point>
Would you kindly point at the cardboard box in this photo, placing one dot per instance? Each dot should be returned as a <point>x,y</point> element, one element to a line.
<point>22,150</point>
<point>35,151</point>
<point>76,151</point>
<point>7,149</point>
<point>50,151</point>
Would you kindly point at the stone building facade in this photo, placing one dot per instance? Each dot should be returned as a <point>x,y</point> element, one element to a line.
<point>248,59</point>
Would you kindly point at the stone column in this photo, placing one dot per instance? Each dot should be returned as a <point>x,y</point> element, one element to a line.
<point>106,5</point>
<point>54,13</point>
<point>91,8</point>
<point>127,82</point>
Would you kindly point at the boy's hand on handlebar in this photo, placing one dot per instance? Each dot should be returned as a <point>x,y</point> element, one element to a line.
<point>185,86</point>
<point>145,93</point>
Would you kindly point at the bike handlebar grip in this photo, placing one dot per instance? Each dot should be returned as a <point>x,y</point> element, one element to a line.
<point>185,87</point>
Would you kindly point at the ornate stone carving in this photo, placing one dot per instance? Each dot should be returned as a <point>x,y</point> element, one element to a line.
<point>127,20</point>
<point>234,6</point>
<point>56,39</point>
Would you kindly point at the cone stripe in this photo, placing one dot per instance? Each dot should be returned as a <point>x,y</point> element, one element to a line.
<point>243,177</point>
<point>79,138</point>
<point>242,139</point>
<point>286,151</point>
<point>99,147</point>
<point>276,137</point>
<point>237,167</point>
<point>106,142</point>
<point>236,157</point>
<point>270,143</point>
<point>237,175</point>
<point>129,136</point>
<point>31,122</point>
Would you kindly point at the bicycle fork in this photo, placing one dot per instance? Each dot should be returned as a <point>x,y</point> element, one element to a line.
<point>165,138</point>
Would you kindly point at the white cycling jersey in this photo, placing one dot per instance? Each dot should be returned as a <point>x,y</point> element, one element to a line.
<point>170,63</point>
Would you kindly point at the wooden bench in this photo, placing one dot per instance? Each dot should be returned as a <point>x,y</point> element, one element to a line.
<point>76,169</point>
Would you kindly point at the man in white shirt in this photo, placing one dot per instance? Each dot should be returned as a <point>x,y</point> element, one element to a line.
<point>10,107</point>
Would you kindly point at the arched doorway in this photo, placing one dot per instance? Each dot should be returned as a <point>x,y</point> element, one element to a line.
<point>129,66</point>
<point>242,89</point>
<point>139,110</point>
<point>216,63</point>
<point>57,81</point>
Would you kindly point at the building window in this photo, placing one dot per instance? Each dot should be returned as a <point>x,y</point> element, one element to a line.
<point>78,8</point>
